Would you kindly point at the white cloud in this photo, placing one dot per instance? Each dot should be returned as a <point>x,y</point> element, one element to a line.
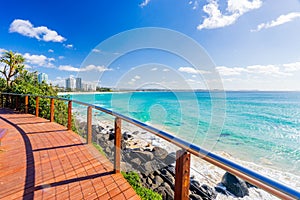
<point>96,50</point>
<point>144,3</point>
<point>68,46</point>
<point>27,66</point>
<point>166,70</point>
<point>190,2</point>
<point>235,9</point>
<point>137,77</point>
<point>243,6</point>
<point>270,70</point>
<point>68,68</point>
<point>196,5</point>
<point>39,60</point>
<point>58,81</point>
<point>50,50</point>
<point>84,69</point>
<point>282,19</point>
<point>61,57</point>
<point>266,70</point>
<point>292,67</point>
<point>191,70</point>
<point>228,71</point>
<point>154,69</point>
<point>24,27</point>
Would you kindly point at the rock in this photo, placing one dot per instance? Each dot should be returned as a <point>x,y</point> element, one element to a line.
<point>161,190</point>
<point>125,136</point>
<point>195,197</point>
<point>160,153</point>
<point>222,189</point>
<point>234,185</point>
<point>158,180</point>
<point>143,155</point>
<point>170,159</point>
<point>135,132</point>
<point>194,185</point>
<point>149,181</point>
<point>204,191</point>
<point>111,136</point>
<point>168,191</point>
<point>136,162</point>
<point>249,185</point>
<point>108,151</point>
<point>171,169</point>
<point>208,191</point>
<point>168,177</point>
<point>149,167</point>
<point>126,167</point>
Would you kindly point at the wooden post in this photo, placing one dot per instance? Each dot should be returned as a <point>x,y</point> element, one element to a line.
<point>37,106</point>
<point>118,137</point>
<point>182,176</point>
<point>51,110</point>
<point>26,104</point>
<point>17,102</point>
<point>89,125</point>
<point>69,115</point>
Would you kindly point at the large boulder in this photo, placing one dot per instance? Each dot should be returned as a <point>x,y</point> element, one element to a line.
<point>160,153</point>
<point>234,185</point>
<point>149,167</point>
<point>143,155</point>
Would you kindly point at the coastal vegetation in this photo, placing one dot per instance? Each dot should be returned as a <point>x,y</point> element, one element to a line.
<point>20,81</point>
<point>135,182</point>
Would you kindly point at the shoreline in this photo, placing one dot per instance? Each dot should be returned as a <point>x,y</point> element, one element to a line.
<point>206,173</point>
<point>208,91</point>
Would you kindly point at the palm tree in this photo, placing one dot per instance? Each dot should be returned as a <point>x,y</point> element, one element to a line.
<point>13,64</point>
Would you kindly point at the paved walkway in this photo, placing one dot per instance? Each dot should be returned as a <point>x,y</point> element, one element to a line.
<point>43,160</point>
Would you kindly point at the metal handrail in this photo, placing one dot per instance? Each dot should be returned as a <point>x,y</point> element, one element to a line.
<point>278,189</point>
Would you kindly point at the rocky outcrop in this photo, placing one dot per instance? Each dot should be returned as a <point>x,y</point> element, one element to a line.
<point>156,166</point>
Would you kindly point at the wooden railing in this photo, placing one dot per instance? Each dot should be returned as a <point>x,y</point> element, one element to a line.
<point>183,156</point>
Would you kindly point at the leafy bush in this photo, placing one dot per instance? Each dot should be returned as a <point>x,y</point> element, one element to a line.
<point>135,182</point>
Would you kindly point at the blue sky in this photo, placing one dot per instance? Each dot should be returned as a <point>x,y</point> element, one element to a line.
<point>254,44</point>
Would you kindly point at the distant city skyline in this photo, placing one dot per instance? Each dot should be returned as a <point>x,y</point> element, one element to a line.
<point>77,84</point>
<point>254,43</point>
<point>42,77</point>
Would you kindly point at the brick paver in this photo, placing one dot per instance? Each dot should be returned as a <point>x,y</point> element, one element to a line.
<point>43,160</point>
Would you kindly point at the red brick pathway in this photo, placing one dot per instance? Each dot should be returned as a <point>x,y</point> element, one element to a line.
<point>43,160</point>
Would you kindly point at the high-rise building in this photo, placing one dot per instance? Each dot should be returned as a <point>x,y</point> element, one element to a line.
<point>42,77</point>
<point>78,84</point>
<point>70,83</point>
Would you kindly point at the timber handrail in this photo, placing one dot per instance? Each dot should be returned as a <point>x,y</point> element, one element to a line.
<point>182,167</point>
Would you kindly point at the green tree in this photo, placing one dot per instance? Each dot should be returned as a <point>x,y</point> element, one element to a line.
<point>20,81</point>
<point>2,84</point>
<point>13,64</point>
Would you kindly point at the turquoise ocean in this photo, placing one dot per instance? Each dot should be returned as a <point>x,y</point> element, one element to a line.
<point>257,127</point>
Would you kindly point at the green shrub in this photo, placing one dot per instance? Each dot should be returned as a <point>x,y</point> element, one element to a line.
<point>135,182</point>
